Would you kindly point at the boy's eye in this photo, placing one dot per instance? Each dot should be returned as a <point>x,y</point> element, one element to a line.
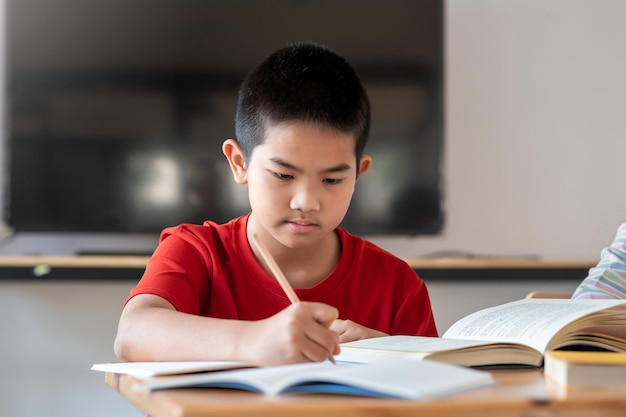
<point>282,176</point>
<point>332,181</point>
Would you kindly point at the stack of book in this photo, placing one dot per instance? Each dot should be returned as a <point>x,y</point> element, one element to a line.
<point>586,369</point>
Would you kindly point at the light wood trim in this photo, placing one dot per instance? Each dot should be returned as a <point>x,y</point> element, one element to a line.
<point>417,263</point>
<point>518,393</point>
<point>75,261</point>
<point>456,263</point>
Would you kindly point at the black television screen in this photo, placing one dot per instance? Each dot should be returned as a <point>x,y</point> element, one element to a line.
<point>116,110</point>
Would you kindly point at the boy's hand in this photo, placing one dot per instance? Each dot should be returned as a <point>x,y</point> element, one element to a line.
<point>349,331</point>
<point>299,333</point>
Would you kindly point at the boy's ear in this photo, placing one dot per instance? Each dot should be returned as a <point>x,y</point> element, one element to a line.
<point>365,164</point>
<point>236,160</point>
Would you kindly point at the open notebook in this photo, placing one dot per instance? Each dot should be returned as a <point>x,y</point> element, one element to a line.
<point>393,378</point>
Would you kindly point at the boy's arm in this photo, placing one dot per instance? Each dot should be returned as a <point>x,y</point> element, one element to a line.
<point>150,329</point>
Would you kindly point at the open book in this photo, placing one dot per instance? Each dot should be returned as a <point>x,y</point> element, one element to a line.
<point>516,333</point>
<point>391,378</point>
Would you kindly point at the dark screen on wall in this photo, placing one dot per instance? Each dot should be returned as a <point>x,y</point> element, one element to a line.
<point>117,109</point>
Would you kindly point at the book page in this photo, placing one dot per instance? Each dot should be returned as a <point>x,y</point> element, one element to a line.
<point>463,352</point>
<point>148,369</point>
<point>397,378</point>
<point>255,379</point>
<point>532,322</point>
<point>617,331</point>
<point>413,345</point>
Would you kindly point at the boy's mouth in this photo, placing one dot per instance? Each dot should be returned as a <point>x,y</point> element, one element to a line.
<point>301,226</point>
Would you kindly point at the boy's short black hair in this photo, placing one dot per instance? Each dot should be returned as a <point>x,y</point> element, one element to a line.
<point>302,82</point>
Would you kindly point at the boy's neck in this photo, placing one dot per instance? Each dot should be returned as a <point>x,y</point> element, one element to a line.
<point>306,268</point>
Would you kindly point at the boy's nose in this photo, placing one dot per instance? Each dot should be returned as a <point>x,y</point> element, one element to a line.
<point>305,199</point>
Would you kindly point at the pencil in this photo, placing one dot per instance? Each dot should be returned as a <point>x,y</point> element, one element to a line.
<point>278,274</point>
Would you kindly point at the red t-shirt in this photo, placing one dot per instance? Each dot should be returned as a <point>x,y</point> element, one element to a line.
<point>210,270</point>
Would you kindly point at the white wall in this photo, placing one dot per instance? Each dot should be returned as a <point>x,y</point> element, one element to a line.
<point>51,334</point>
<point>535,144</point>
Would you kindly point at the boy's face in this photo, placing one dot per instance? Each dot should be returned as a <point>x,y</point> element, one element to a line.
<point>300,182</point>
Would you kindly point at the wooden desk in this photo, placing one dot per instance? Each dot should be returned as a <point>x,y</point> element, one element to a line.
<point>519,393</point>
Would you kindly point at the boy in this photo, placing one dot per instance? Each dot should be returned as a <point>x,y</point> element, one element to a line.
<point>302,122</point>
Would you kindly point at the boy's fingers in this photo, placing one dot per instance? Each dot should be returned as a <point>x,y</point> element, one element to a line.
<point>317,350</point>
<point>319,342</point>
<point>325,340</point>
<point>324,314</point>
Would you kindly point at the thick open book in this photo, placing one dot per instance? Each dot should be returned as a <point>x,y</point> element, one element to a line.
<point>516,333</point>
<point>391,378</point>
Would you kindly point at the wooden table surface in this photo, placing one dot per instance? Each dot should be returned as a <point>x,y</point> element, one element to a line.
<point>519,393</point>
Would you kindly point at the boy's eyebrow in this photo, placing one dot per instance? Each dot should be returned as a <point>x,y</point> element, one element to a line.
<point>285,164</point>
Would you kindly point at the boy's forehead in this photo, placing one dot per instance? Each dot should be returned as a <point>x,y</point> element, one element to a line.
<point>279,129</point>
<point>295,141</point>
